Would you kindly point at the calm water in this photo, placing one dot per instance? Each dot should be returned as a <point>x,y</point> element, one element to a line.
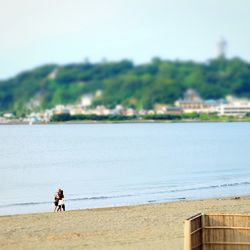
<point>117,164</point>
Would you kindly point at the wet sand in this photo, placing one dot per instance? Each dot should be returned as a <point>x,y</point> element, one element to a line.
<point>153,226</point>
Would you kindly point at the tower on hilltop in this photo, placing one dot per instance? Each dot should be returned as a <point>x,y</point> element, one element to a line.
<point>221,48</point>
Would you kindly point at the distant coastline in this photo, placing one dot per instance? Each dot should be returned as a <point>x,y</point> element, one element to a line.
<point>124,122</point>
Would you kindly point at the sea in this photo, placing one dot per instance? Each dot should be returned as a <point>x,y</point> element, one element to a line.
<point>107,165</point>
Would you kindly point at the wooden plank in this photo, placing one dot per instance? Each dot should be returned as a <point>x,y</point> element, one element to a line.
<point>194,216</point>
<point>195,224</point>
<point>196,239</point>
<point>197,230</point>
<point>227,243</point>
<point>222,227</point>
<point>187,233</point>
<point>199,245</point>
<point>239,215</point>
<point>203,232</point>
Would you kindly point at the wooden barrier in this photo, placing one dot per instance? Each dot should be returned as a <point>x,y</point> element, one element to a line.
<point>193,233</point>
<point>217,232</point>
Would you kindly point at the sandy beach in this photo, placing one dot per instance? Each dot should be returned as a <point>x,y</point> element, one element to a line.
<point>153,226</point>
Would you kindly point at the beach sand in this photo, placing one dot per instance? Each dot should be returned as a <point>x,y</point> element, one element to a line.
<point>153,226</point>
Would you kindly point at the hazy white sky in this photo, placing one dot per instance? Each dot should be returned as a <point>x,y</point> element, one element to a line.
<point>35,32</point>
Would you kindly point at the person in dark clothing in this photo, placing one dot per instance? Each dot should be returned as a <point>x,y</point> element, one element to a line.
<point>61,205</point>
<point>56,200</point>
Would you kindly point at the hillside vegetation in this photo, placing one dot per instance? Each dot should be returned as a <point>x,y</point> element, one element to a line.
<point>137,86</point>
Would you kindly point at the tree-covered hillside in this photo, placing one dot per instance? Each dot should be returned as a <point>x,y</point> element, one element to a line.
<point>139,86</point>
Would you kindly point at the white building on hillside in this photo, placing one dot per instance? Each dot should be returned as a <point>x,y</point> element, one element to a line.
<point>193,103</point>
<point>8,115</point>
<point>100,110</point>
<point>86,100</point>
<point>234,107</point>
<point>61,109</point>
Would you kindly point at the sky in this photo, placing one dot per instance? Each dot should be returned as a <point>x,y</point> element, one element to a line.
<point>37,32</point>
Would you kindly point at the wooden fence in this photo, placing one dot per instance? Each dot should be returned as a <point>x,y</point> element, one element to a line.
<point>217,232</point>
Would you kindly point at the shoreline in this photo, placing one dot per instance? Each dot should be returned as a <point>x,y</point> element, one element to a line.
<point>148,226</point>
<point>133,205</point>
<point>125,122</point>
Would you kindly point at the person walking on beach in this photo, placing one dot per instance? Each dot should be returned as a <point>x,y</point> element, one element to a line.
<point>56,199</point>
<point>61,205</point>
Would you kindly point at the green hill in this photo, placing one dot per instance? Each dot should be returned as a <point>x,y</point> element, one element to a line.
<point>138,86</point>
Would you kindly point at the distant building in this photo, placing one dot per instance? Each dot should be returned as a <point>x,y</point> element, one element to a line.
<point>130,112</point>
<point>174,110</point>
<point>61,109</point>
<point>86,100</point>
<point>37,117</point>
<point>118,110</point>
<point>8,115</point>
<point>192,95</point>
<point>142,112</point>
<point>234,107</point>
<point>53,74</point>
<point>100,110</point>
<point>193,103</point>
<point>76,110</point>
<point>150,112</point>
<point>48,113</point>
<point>161,109</point>
<point>98,93</point>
